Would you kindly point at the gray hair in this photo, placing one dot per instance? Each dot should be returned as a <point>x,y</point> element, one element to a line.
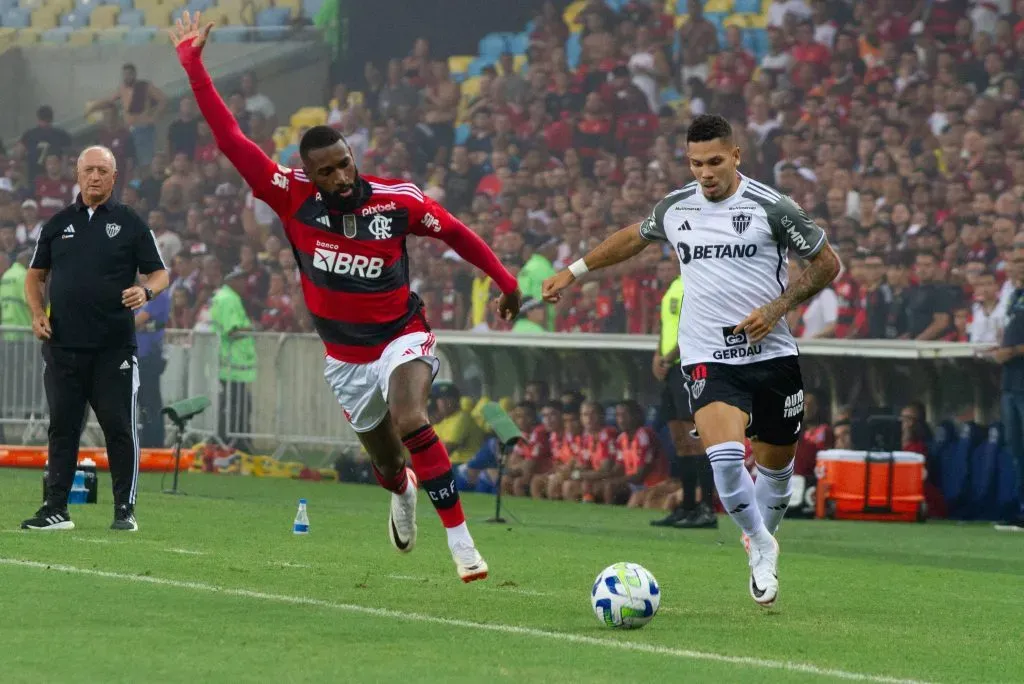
<point>101,148</point>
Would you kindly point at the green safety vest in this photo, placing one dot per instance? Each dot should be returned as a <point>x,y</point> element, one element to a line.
<point>237,353</point>
<point>14,311</point>
<point>671,307</point>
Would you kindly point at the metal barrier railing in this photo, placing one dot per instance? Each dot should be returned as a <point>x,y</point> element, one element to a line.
<point>288,408</point>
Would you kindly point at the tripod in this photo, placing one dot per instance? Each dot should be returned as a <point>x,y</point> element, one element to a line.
<point>179,413</point>
<point>503,451</point>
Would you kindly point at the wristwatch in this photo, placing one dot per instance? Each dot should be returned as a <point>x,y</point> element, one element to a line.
<point>149,294</point>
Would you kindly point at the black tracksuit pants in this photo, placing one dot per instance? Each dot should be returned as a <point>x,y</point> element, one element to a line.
<point>108,380</point>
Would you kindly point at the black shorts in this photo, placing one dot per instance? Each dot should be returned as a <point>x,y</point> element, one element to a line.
<point>770,392</point>
<point>675,397</point>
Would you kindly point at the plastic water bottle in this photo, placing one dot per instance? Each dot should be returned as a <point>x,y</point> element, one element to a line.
<point>301,525</point>
<point>79,493</point>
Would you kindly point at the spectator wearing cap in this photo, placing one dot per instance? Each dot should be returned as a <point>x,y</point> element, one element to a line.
<point>455,427</point>
<point>532,318</point>
<point>31,225</point>
<point>228,318</point>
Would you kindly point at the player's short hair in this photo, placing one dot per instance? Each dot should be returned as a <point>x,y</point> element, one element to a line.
<point>317,138</point>
<point>708,127</point>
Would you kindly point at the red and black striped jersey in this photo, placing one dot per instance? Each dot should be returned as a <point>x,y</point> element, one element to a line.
<point>354,264</point>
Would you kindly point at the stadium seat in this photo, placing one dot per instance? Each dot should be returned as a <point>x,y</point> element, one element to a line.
<point>761,42</point>
<point>44,18</point>
<point>57,35</point>
<point>130,18</point>
<point>1007,491</point>
<point>27,36</point>
<point>157,16</point>
<point>111,36</point>
<point>476,67</point>
<point>309,117</point>
<point>462,134</point>
<point>519,43</point>
<point>982,503</point>
<point>669,95</point>
<point>459,64</point>
<point>718,7</point>
<point>104,17</point>
<point>273,16</point>
<point>231,34</point>
<point>16,18</point>
<point>956,470</point>
<point>74,20</point>
<point>7,5</point>
<point>493,45</point>
<point>139,36</point>
<point>519,64</point>
<point>270,33</point>
<point>199,5</point>
<point>82,37</point>
<point>124,4</point>
<point>747,6</point>
<point>311,8</point>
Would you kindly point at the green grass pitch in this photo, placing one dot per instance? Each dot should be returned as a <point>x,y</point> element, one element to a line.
<point>215,588</point>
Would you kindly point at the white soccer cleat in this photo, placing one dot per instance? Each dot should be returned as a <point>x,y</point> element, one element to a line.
<point>469,562</point>
<point>402,518</point>
<point>764,577</point>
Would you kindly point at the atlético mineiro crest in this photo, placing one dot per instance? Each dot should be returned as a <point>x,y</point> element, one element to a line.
<point>696,387</point>
<point>348,222</point>
<point>740,223</point>
<point>113,229</point>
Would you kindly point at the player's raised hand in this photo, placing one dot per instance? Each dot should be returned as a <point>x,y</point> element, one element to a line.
<point>508,305</point>
<point>552,288</point>
<point>189,31</point>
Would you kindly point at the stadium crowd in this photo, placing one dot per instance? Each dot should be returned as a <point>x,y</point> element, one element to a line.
<point>895,123</point>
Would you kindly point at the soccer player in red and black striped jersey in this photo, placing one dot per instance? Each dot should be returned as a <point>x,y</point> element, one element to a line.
<point>348,234</point>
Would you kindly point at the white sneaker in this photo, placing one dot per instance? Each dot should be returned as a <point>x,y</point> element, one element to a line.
<point>469,562</point>
<point>764,577</point>
<point>402,518</point>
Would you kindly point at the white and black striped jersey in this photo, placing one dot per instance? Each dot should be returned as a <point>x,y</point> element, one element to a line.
<point>733,256</point>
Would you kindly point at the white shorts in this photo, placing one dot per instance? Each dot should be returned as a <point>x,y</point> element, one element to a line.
<point>362,388</point>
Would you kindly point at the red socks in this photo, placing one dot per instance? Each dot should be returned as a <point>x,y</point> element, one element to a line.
<point>396,484</point>
<point>432,466</point>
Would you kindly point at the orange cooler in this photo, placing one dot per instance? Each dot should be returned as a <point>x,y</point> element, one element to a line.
<point>863,485</point>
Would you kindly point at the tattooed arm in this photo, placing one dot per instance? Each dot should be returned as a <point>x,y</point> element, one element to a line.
<point>794,230</point>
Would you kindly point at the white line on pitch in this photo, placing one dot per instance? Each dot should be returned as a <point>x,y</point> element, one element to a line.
<point>760,663</point>
<point>187,552</point>
<point>499,589</point>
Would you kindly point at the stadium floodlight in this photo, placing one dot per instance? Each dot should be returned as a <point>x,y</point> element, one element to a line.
<point>508,436</point>
<point>179,413</point>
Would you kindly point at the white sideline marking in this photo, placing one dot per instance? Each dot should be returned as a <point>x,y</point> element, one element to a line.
<point>761,663</point>
<point>286,564</point>
<point>187,552</point>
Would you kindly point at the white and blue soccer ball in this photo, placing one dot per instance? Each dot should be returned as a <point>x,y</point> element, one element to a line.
<point>625,596</point>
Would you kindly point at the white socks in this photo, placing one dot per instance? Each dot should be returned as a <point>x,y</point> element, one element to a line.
<point>773,492</point>
<point>736,489</point>
<point>457,534</point>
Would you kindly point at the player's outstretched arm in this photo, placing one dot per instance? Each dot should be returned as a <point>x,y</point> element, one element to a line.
<point>620,246</point>
<point>438,223</point>
<point>189,36</point>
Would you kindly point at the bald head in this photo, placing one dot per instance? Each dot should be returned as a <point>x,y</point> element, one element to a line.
<point>97,171</point>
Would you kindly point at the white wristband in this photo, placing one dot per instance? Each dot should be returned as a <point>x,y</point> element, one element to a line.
<point>578,268</point>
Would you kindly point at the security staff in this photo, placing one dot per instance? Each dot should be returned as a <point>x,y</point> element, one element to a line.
<point>690,465</point>
<point>91,252</point>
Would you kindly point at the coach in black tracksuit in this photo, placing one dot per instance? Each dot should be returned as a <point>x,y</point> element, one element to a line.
<point>91,252</point>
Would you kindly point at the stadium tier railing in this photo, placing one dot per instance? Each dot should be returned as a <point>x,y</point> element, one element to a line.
<point>294,412</point>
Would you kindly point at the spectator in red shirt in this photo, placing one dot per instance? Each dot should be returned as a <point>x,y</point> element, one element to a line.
<point>52,189</point>
<point>816,436</point>
<point>806,50</point>
<point>278,311</point>
<point>532,456</point>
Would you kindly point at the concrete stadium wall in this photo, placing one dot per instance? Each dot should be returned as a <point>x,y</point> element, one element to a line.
<point>67,77</point>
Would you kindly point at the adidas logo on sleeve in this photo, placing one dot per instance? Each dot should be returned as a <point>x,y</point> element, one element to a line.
<point>124,365</point>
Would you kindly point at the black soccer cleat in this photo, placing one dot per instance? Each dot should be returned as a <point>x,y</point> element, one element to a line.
<point>49,519</point>
<point>124,518</point>
<point>703,518</point>
<point>672,518</point>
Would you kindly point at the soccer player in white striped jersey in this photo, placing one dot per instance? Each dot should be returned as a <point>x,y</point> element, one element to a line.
<point>732,236</point>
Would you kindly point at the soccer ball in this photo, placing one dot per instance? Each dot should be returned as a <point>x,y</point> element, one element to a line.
<point>625,596</point>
